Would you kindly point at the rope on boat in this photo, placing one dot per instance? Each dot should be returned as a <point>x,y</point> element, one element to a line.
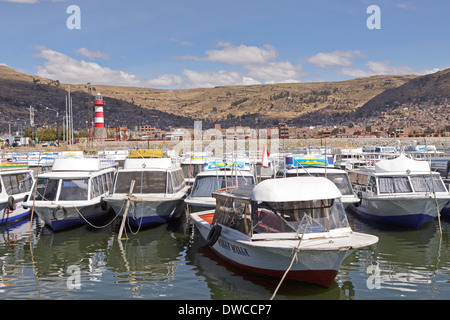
<point>294,257</point>
<point>122,225</point>
<point>134,216</point>
<point>34,197</point>
<point>99,227</point>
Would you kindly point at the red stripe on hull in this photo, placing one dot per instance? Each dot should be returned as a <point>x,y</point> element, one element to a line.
<point>323,278</point>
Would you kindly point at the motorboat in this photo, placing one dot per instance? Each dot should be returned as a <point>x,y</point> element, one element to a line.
<point>216,176</point>
<point>294,226</point>
<point>16,182</point>
<point>118,156</point>
<point>400,191</point>
<point>157,195</point>
<point>320,166</point>
<point>192,164</point>
<point>70,194</point>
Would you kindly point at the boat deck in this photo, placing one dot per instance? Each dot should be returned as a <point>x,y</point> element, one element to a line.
<point>208,217</point>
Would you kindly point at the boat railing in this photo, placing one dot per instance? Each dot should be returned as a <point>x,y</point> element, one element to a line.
<point>362,188</point>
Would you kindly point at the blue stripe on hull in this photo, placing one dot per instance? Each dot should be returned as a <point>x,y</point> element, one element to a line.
<point>9,219</point>
<point>411,220</point>
<point>151,220</point>
<point>59,225</point>
<point>148,221</point>
<point>446,210</point>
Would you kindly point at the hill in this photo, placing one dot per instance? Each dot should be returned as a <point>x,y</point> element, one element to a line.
<point>256,105</point>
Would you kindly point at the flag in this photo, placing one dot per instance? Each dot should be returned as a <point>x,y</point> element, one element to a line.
<point>265,158</point>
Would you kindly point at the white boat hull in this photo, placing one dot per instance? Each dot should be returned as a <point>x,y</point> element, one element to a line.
<point>198,204</point>
<point>318,260</point>
<point>146,211</point>
<point>412,211</point>
<point>60,217</point>
<point>8,216</point>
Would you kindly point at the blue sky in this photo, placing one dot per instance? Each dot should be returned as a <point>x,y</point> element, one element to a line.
<point>205,43</point>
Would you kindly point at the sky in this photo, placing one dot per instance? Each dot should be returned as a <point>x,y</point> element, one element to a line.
<point>180,44</point>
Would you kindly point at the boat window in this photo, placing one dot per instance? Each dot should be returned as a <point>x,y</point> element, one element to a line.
<point>95,186</point>
<point>105,183</point>
<point>394,185</point>
<point>206,185</point>
<point>46,189</point>
<point>191,170</point>
<point>75,189</point>
<point>17,182</point>
<point>109,180</point>
<point>425,184</point>
<point>341,180</point>
<point>233,214</point>
<point>266,220</point>
<point>177,180</point>
<point>145,181</point>
<point>303,216</point>
<point>358,178</point>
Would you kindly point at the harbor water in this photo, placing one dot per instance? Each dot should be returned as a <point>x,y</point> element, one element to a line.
<point>172,262</point>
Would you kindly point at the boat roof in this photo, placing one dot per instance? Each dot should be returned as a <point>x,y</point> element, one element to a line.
<point>240,163</point>
<point>402,164</point>
<point>229,172</point>
<point>147,163</point>
<point>316,170</point>
<point>295,189</point>
<point>309,160</point>
<point>287,189</point>
<point>150,153</point>
<point>80,164</point>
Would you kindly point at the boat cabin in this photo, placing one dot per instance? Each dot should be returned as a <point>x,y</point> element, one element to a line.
<point>75,179</point>
<point>282,208</point>
<point>397,176</point>
<point>14,181</point>
<point>151,175</point>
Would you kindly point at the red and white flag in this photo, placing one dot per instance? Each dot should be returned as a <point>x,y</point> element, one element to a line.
<point>265,158</point>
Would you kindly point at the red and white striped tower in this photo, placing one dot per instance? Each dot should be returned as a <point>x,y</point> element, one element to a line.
<point>99,129</point>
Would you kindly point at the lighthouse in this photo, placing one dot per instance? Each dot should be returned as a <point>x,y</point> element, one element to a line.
<point>99,129</point>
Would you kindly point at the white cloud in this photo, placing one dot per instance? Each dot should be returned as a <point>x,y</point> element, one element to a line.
<point>257,64</point>
<point>166,80</point>
<point>382,68</point>
<point>335,58</point>
<point>242,54</point>
<point>59,66</point>
<point>212,79</point>
<point>273,72</point>
<point>91,55</point>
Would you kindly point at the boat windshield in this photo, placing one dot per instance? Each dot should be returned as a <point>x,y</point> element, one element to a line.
<point>145,181</point>
<point>300,216</point>
<point>205,186</point>
<point>394,185</point>
<point>341,179</point>
<point>425,184</point>
<point>46,189</point>
<point>73,190</point>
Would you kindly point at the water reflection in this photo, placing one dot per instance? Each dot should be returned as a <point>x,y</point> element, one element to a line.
<point>228,282</point>
<point>172,261</point>
<point>405,262</point>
